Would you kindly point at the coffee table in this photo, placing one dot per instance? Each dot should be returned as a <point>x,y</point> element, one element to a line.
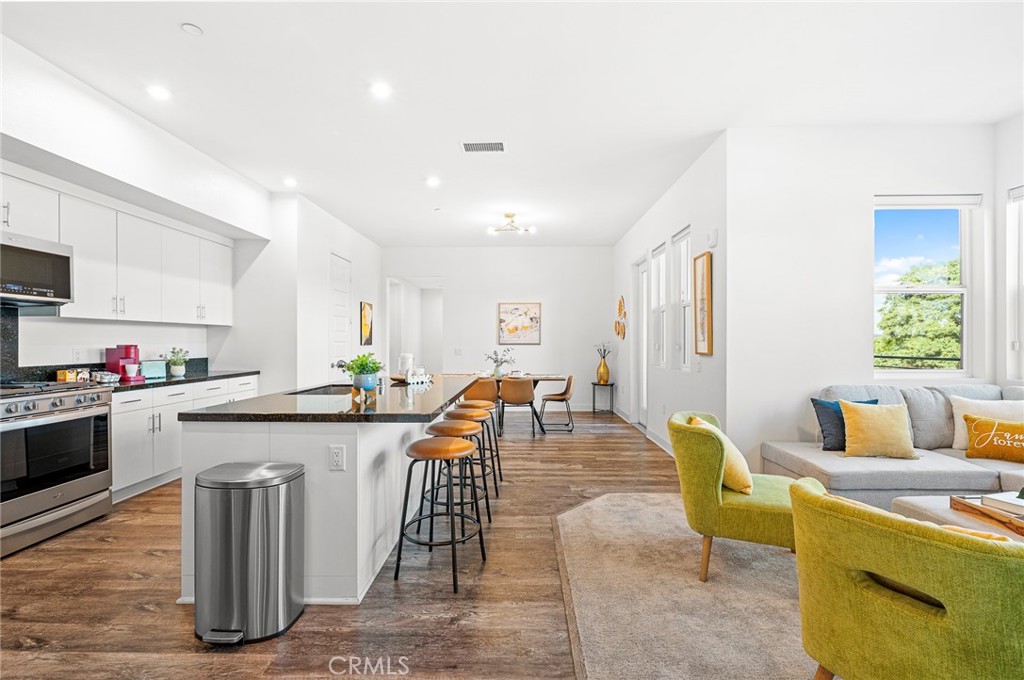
<point>936,509</point>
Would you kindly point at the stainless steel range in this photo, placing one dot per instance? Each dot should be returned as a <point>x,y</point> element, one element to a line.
<point>54,459</point>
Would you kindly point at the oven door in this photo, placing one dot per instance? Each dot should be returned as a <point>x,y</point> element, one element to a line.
<point>49,461</point>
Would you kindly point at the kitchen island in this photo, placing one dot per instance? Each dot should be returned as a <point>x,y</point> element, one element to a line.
<point>353,447</point>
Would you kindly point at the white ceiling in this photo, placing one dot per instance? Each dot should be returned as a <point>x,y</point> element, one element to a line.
<point>601,106</point>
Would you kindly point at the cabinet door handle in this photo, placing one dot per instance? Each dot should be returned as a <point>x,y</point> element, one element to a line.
<point>113,305</point>
<point>7,213</point>
<point>160,417</point>
<point>122,304</point>
<point>198,316</point>
<point>151,424</point>
<point>132,401</point>
<point>204,311</point>
<point>177,394</point>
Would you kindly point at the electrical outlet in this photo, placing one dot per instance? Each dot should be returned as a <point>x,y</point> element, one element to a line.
<point>458,351</point>
<point>338,460</point>
<point>700,365</point>
<point>76,355</point>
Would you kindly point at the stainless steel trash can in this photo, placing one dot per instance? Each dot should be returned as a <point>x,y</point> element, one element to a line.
<point>249,551</point>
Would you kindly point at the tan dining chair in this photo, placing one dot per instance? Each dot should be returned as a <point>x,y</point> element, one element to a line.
<point>564,396</point>
<point>519,392</point>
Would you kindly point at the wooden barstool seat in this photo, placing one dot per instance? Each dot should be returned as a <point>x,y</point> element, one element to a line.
<point>455,428</point>
<point>481,404</point>
<point>447,451</point>
<point>475,415</point>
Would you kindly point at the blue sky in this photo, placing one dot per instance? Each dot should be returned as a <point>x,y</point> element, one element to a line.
<point>904,238</point>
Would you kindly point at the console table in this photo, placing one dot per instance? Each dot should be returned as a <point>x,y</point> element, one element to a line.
<point>611,396</point>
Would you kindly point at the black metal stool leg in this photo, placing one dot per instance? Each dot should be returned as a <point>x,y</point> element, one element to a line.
<point>435,482</point>
<point>462,495</point>
<point>451,526</point>
<point>423,496</point>
<point>476,504</point>
<point>401,524</point>
<point>483,476</point>
<point>496,454</point>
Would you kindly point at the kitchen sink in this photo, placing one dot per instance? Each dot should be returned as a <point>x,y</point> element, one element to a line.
<point>325,391</point>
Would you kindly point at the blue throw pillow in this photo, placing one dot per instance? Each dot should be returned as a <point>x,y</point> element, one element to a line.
<point>830,420</point>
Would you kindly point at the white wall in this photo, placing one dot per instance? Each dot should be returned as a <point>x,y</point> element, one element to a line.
<point>52,111</point>
<point>1009,173</point>
<point>432,329</point>
<point>282,296</point>
<point>800,270</point>
<point>697,199</point>
<point>44,341</point>
<point>573,286</point>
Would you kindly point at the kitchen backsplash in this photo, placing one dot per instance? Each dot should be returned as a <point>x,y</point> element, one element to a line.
<point>12,371</point>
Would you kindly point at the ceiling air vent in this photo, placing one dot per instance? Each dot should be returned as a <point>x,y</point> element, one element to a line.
<point>477,147</point>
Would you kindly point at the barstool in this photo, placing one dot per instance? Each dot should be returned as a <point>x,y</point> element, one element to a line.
<point>464,429</point>
<point>492,408</point>
<point>479,416</point>
<point>445,450</point>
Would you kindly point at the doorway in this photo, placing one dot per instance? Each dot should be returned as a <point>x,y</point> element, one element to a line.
<point>340,312</point>
<point>641,283</point>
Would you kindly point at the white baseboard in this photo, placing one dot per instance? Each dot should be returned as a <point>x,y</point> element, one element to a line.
<point>665,445</point>
<point>146,485</point>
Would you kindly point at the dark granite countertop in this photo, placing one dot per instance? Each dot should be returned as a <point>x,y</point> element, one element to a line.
<point>187,378</point>
<point>395,404</point>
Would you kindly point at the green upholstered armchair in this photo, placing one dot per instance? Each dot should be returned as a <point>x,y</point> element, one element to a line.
<point>883,596</point>
<point>711,510</point>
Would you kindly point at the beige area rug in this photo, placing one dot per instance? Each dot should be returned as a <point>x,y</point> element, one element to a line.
<point>635,607</point>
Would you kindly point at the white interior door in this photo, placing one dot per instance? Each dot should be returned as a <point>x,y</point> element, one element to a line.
<point>340,327</point>
<point>643,341</point>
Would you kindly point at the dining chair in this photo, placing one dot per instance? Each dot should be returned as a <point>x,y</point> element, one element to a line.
<point>519,392</point>
<point>564,396</point>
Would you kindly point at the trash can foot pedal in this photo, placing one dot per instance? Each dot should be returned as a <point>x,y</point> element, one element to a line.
<point>223,637</point>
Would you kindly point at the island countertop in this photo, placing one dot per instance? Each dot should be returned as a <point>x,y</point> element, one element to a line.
<point>338,404</point>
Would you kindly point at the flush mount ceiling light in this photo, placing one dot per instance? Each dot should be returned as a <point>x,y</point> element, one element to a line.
<point>159,92</point>
<point>191,29</point>
<point>290,182</point>
<point>433,182</point>
<point>511,226</point>
<point>380,90</point>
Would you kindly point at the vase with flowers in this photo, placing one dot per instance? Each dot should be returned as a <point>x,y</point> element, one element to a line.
<point>176,360</point>
<point>603,374</point>
<point>501,360</point>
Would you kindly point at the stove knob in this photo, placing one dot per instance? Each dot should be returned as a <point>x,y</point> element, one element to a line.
<point>94,397</point>
<point>56,403</point>
<point>11,408</point>
<point>30,406</point>
<point>80,399</point>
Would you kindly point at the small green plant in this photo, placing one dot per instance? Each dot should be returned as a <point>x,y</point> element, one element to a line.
<point>364,364</point>
<point>177,357</point>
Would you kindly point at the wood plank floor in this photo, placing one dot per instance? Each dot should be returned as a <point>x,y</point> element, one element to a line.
<point>98,602</point>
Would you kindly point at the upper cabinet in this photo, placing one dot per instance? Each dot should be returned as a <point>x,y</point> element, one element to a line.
<point>92,231</point>
<point>180,257</point>
<point>29,209</point>
<point>139,279</point>
<point>216,283</point>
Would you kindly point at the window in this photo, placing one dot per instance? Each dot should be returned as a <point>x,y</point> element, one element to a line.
<point>659,308</point>
<point>682,286</point>
<point>921,283</point>
<point>1015,284</point>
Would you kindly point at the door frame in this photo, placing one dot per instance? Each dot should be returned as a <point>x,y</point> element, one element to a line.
<point>637,339</point>
<point>330,349</point>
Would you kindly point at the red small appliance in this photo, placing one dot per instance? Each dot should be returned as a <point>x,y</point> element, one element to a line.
<point>122,355</point>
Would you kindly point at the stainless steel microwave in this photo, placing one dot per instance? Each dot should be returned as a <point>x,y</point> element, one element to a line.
<point>34,272</point>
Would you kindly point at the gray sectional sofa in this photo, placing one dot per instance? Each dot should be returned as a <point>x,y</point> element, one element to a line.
<point>940,470</point>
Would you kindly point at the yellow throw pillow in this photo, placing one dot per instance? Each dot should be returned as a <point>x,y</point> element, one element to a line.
<point>877,430</point>
<point>977,534</point>
<point>994,439</point>
<point>737,472</point>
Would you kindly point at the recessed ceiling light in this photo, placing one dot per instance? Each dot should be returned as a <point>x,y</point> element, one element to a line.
<point>159,92</point>
<point>191,29</point>
<point>433,182</point>
<point>380,90</point>
<point>437,210</point>
<point>290,182</point>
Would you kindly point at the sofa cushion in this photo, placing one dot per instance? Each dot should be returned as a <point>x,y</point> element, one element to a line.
<point>831,423</point>
<point>837,472</point>
<point>1015,392</point>
<point>973,391</point>
<point>986,408</point>
<point>885,394</point>
<point>1011,475</point>
<point>931,416</point>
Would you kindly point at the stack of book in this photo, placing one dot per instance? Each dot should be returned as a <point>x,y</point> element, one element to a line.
<point>1007,501</point>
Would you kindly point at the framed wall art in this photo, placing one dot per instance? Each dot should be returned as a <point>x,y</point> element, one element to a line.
<point>518,323</point>
<point>702,322</point>
<point>365,323</point>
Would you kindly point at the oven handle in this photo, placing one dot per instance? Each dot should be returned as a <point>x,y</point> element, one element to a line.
<point>48,420</point>
<point>29,524</point>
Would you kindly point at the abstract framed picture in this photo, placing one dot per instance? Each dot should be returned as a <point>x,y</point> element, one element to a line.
<point>518,323</point>
<point>365,323</point>
<point>702,323</point>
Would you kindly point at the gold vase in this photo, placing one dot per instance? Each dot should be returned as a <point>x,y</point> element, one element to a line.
<point>602,372</point>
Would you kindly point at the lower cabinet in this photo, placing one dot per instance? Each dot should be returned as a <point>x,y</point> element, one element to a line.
<point>146,433</point>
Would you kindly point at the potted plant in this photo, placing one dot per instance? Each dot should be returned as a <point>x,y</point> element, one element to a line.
<point>603,374</point>
<point>501,360</point>
<point>176,359</point>
<point>364,369</point>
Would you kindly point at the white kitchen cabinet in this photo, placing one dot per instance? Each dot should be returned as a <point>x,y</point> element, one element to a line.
<point>132,439</point>
<point>239,396</point>
<point>167,438</point>
<point>180,257</point>
<point>91,230</point>
<point>29,209</point>
<point>216,283</point>
<point>139,293</point>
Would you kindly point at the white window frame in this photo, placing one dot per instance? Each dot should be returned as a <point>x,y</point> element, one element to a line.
<point>971,221</point>
<point>659,308</point>
<point>1015,260</point>
<point>682,298</point>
